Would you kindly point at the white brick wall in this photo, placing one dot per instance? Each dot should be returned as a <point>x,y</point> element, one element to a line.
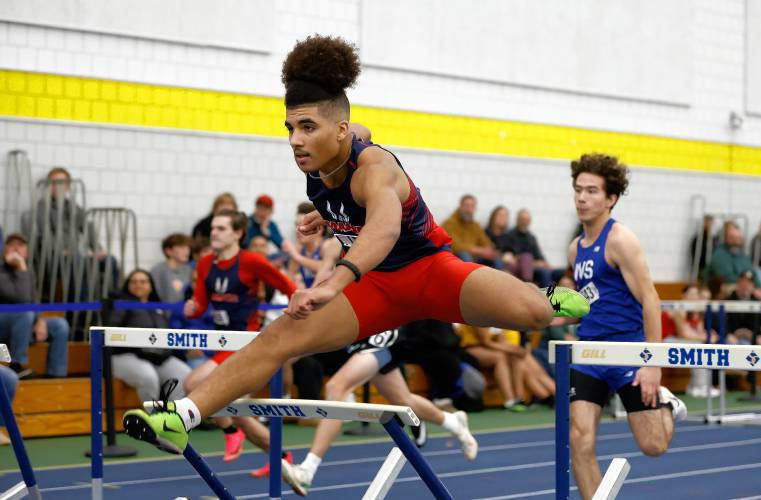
<point>169,178</point>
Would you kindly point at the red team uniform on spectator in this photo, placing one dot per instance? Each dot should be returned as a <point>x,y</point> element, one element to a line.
<point>232,288</point>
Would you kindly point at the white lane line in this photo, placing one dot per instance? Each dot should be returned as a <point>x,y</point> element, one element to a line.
<point>661,477</point>
<point>435,453</point>
<point>535,465</point>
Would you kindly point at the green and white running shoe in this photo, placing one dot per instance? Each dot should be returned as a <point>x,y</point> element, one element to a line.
<point>567,303</point>
<point>164,429</point>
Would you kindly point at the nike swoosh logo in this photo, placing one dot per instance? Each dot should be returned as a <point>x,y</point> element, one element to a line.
<point>169,429</point>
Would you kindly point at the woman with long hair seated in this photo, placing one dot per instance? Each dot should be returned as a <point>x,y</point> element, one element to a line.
<point>145,369</point>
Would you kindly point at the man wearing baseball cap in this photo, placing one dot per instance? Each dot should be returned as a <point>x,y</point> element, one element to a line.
<point>260,222</point>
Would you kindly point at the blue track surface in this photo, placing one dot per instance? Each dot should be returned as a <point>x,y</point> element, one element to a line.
<point>704,462</point>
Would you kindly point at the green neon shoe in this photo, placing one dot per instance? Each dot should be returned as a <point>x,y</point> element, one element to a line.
<point>567,303</point>
<point>164,430</point>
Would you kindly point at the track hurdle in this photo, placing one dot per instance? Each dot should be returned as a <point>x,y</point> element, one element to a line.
<point>391,417</point>
<point>29,485</point>
<point>721,308</point>
<point>637,354</point>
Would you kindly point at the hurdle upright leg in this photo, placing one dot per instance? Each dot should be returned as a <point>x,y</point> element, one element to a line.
<point>394,428</point>
<point>276,438</point>
<point>562,421</point>
<point>96,412</point>
<point>18,445</point>
<point>206,473</point>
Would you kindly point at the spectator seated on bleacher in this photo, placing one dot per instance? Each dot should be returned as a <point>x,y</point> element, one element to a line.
<point>223,201</point>
<point>515,368</point>
<point>469,241</point>
<point>19,329</point>
<point>453,374</point>
<point>145,369</point>
<point>743,328</point>
<point>260,223</point>
<point>173,275</point>
<point>689,327</point>
<point>730,259</point>
<point>497,231</point>
<point>530,263</point>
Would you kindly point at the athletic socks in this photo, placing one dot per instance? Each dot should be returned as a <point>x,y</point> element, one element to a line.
<point>451,423</point>
<point>310,464</point>
<point>188,412</point>
<point>230,429</point>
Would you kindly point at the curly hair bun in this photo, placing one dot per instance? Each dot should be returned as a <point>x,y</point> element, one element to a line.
<point>326,61</point>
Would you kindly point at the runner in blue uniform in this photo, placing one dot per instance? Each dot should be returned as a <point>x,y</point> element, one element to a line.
<point>611,272</point>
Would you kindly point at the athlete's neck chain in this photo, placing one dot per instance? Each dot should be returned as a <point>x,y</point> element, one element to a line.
<point>335,170</point>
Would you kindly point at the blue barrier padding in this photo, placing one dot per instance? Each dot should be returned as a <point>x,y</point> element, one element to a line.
<point>97,306</point>
<point>134,305</point>
<point>59,306</point>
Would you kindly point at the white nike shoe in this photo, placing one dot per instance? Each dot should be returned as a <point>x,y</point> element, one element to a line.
<point>468,442</point>
<point>297,477</point>
<point>678,408</point>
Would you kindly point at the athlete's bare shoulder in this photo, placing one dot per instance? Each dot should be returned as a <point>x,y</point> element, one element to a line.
<point>622,243</point>
<point>378,168</point>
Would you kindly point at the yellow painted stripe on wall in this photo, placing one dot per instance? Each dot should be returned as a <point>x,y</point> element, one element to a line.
<point>36,95</point>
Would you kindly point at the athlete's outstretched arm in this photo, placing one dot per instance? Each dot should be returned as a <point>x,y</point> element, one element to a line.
<point>626,253</point>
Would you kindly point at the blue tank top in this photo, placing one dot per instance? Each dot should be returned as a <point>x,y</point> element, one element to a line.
<point>420,236</point>
<point>306,274</point>
<point>614,312</point>
<point>232,300</point>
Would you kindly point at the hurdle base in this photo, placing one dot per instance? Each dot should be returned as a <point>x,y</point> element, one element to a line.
<point>116,451</point>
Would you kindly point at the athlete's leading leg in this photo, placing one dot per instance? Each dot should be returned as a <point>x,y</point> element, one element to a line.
<point>495,298</point>
<point>247,371</point>
<point>585,417</point>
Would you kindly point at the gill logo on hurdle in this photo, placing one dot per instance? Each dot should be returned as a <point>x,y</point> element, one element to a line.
<point>594,354</point>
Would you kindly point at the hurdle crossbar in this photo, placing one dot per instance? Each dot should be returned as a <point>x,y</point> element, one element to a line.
<point>635,354</point>
<point>730,306</point>
<point>310,408</point>
<point>664,355</point>
<point>391,417</point>
<point>722,307</point>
